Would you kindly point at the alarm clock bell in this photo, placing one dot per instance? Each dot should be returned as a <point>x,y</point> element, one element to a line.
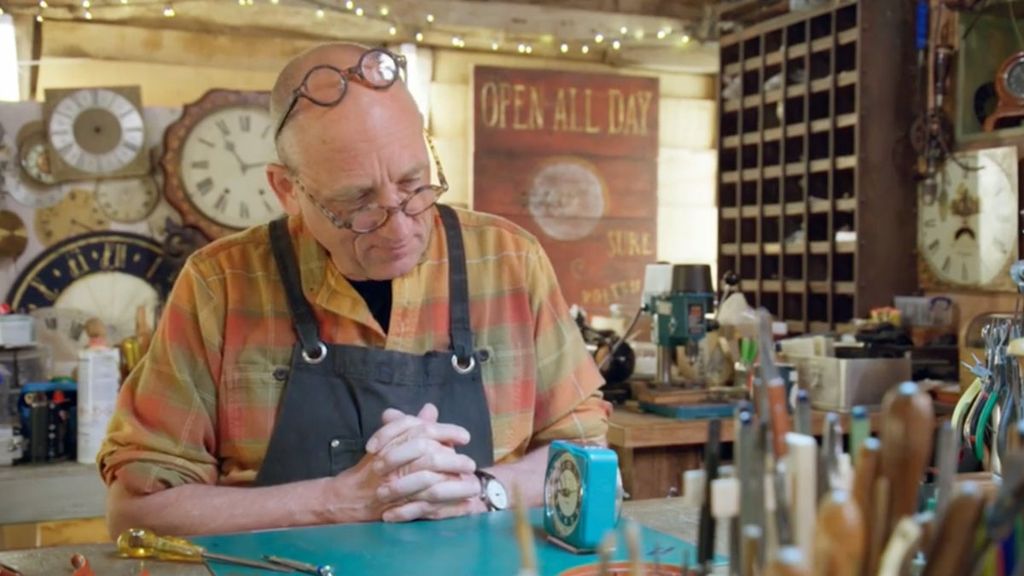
<point>582,495</point>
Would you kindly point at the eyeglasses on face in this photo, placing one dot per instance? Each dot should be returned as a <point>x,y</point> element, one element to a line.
<point>326,85</point>
<point>370,218</point>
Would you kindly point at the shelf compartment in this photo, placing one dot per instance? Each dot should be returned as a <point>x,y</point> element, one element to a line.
<point>818,327</point>
<point>820,248</point>
<point>772,134</point>
<point>823,165</point>
<point>846,120</point>
<point>794,209</point>
<point>751,138</point>
<point>846,205</point>
<point>773,96</point>
<point>772,172</point>
<point>773,59</point>
<point>771,285</point>
<point>729,249</point>
<point>846,162</point>
<point>750,174</point>
<point>821,45</point>
<point>749,211</point>
<point>848,78</point>
<point>731,213</point>
<point>796,286</point>
<point>730,177</point>
<point>771,211</point>
<point>752,101</point>
<point>731,69</point>
<point>795,326</point>
<point>845,288</point>
<point>731,105</point>
<point>797,51</point>
<point>823,287</point>
<point>847,37</point>
<point>731,141</point>
<point>752,64</point>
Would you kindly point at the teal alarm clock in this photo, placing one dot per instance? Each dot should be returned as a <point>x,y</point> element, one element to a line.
<point>582,494</point>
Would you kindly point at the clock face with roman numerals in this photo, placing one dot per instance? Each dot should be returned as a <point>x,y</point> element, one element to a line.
<point>968,233</point>
<point>106,274</point>
<point>215,159</point>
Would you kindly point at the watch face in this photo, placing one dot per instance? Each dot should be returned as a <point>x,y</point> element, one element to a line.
<point>969,234</point>
<point>496,494</point>
<point>27,175</point>
<point>223,162</point>
<point>563,494</point>
<point>35,160</point>
<point>127,199</point>
<point>96,130</point>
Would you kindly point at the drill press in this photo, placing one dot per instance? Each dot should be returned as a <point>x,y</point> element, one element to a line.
<point>679,298</point>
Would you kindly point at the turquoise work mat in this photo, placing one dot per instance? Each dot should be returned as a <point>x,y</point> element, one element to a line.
<point>478,545</point>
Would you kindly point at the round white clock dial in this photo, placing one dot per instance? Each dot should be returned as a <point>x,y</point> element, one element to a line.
<point>29,179</point>
<point>970,232</point>
<point>127,199</point>
<point>96,130</point>
<point>223,164</point>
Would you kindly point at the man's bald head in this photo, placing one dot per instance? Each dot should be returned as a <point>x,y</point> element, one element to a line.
<point>360,103</point>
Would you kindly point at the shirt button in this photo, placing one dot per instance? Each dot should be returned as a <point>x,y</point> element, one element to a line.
<point>335,443</point>
<point>280,373</point>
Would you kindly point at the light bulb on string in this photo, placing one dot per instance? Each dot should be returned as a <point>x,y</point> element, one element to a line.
<point>43,4</point>
<point>529,49</point>
<point>494,46</point>
<point>430,18</point>
<point>419,36</point>
<point>169,11</point>
<point>360,11</point>
<point>623,30</point>
<point>384,11</point>
<point>616,45</point>
<point>585,49</point>
<point>598,38</point>
<point>661,34</point>
<point>319,13</point>
<point>564,48</point>
<point>685,39</point>
<point>350,5</point>
<point>87,15</point>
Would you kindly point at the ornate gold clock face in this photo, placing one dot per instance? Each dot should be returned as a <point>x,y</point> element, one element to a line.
<point>95,132</point>
<point>214,163</point>
<point>563,494</point>
<point>77,213</point>
<point>13,235</point>
<point>968,235</point>
<point>127,199</point>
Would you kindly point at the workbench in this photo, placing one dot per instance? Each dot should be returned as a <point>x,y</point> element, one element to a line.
<point>654,450</point>
<point>666,515</point>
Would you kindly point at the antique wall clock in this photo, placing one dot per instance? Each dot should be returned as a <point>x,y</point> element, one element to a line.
<point>76,213</point>
<point>127,199</point>
<point>95,132</point>
<point>214,159</point>
<point>104,274</point>
<point>968,234</point>
<point>1009,82</point>
<point>29,179</point>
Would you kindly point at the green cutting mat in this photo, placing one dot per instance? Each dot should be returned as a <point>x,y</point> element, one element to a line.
<point>478,545</point>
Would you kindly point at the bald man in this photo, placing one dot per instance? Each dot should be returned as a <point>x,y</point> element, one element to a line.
<point>375,355</point>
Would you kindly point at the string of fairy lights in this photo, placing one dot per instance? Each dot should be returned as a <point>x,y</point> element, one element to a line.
<point>426,26</point>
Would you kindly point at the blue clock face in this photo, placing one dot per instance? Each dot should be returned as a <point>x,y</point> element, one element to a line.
<point>85,257</point>
<point>564,494</point>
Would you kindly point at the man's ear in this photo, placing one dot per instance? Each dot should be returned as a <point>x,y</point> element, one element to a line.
<point>280,179</point>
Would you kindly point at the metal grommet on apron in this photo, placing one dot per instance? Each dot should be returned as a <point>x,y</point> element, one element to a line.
<point>335,393</point>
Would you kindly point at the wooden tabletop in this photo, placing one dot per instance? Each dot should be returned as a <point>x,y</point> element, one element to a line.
<point>629,428</point>
<point>667,515</point>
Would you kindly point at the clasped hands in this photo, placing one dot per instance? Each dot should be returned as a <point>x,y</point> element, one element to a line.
<point>411,469</point>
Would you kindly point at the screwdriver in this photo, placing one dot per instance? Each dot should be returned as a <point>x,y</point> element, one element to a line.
<point>139,543</point>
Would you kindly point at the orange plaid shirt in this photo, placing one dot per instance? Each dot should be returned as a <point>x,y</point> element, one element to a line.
<point>201,406</point>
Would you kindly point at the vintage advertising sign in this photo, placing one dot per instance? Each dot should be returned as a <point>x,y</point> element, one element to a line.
<point>572,158</point>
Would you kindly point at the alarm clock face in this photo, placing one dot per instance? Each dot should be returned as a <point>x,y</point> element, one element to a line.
<point>563,494</point>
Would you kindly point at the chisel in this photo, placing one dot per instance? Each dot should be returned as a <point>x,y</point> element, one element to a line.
<point>750,461</point>
<point>908,426</point>
<point>803,412</point>
<point>774,387</point>
<point>788,561</point>
<point>706,536</point>
<point>802,465</point>
<point>946,451</point>
<point>839,544</point>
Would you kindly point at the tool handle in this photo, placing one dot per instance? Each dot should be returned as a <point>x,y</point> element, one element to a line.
<point>779,415</point>
<point>902,546</point>
<point>950,551</point>
<point>788,561</point>
<point>753,542</point>
<point>876,533</point>
<point>140,543</point>
<point>864,481</point>
<point>908,428</point>
<point>839,537</point>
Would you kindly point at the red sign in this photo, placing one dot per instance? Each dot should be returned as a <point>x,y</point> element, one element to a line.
<point>572,158</point>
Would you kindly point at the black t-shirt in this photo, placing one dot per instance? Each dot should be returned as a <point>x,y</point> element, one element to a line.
<point>377,294</point>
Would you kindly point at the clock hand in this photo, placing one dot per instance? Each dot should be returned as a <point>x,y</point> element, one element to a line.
<point>230,147</point>
<point>80,225</point>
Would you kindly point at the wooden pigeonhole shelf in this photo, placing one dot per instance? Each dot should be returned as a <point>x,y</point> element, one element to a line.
<point>816,192</point>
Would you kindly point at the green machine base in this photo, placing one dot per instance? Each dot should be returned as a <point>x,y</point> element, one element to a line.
<point>477,545</point>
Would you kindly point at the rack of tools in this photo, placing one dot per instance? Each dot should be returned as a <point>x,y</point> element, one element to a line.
<point>795,507</point>
<point>815,167</point>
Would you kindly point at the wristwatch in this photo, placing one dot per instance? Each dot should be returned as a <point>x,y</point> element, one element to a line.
<point>492,491</point>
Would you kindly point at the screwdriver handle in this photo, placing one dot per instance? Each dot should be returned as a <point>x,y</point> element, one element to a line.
<point>140,543</point>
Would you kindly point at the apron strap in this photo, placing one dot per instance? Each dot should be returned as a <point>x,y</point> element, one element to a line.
<point>458,287</point>
<point>313,349</point>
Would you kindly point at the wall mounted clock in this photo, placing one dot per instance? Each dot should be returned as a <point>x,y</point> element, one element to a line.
<point>95,132</point>
<point>77,213</point>
<point>13,235</point>
<point>29,179</point>
<point>127,199</point>
<point>214,159</point>
<point>968,235</point>
<point>92,271</point>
